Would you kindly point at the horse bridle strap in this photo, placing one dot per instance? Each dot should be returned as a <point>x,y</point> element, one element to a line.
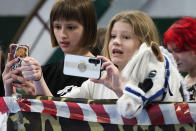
<point>144,99</point>
<point>166,84</point>
<point>162,91</point>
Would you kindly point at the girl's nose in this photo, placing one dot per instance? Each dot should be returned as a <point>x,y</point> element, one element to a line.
<point>117,41</point>
<point>64,33</point>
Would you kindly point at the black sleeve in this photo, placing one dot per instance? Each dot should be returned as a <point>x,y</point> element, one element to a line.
<point>2,92</point>
<point>56,80</point>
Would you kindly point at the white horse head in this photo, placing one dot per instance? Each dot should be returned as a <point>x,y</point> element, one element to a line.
<point>150,77</point>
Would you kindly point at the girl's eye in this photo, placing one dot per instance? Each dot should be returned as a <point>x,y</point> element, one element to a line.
<point>57,27</point>
<point>126,37</point>
<point>174,51</point>
<point>112,36</point>
<point>71,27</point>
<point>177,51</point>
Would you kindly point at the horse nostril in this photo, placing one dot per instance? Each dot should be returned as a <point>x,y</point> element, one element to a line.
<point>146,85</point>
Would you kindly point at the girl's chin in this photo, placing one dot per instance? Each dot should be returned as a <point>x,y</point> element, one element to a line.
<point>116,62</point>
<point>182,70</point>
<point>65,50</point>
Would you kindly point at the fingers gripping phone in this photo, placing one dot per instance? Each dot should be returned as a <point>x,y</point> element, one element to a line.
<point>82,66</point>
<point>19,51</point>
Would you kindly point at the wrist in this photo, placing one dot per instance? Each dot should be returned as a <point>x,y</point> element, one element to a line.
<point>38,79</point>
<point>119,93</point>
<point>119,90</point>
<point>8,91</point>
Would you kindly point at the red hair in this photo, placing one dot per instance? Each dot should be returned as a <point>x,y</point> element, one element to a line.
<point>182,33</point>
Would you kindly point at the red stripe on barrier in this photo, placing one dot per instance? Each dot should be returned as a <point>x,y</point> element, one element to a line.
<point>3,106</point>
<point>24,105</point>
<point>155,115</point>
<point>183,113</point>
<point>102,115</point>
<point>49,107</point>
<point>132,121</point>
<point>75,111</point>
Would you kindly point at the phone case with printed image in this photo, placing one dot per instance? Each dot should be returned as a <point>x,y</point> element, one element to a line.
<point>18,51</point>
<point>82,66</point>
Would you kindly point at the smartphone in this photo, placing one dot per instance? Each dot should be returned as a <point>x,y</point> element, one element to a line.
<point>82,66</point>
<point>18,51</point>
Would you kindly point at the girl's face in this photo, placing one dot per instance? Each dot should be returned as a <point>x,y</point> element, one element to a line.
<point>68,35</point>
<point>123,44</point>
<point>185,60</point>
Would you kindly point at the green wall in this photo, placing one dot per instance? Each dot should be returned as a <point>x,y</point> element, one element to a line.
<point>8,28</point>
<point>163,24</point>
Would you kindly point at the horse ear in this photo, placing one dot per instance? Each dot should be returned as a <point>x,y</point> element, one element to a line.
<point>156,51</point>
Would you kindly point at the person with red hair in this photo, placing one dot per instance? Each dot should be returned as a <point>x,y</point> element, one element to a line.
<point>180,40</point>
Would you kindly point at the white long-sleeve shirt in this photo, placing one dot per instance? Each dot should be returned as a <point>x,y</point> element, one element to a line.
<point>91,90</point>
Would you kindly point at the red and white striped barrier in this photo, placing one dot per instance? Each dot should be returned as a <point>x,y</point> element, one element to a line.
<point>157,114</point>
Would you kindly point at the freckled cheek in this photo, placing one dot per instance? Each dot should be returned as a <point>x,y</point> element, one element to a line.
<point>129,55</point>
<point>76,36</point>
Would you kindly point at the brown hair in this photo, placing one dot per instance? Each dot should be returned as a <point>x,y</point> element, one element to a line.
<point>143,27</point>
<point>96,50</point>
<point>80,10</point>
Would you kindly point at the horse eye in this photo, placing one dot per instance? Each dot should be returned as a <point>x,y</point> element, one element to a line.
<point>152,74</point>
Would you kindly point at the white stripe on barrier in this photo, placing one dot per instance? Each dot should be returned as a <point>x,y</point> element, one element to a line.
<point>12,104</point>
<point>62,109</point>
<point>115,117</point>
<point>169,115</point>
<point>192,107</point>
<point>36,105</point>
<point>89,114</point>
<point>143,118</point>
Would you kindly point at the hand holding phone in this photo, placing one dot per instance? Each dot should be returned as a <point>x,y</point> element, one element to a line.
<point>82,66</point>
<point>19,51</point>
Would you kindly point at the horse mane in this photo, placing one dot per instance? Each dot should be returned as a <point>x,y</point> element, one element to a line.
<point>156,51</point>
<point>166,53</point>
